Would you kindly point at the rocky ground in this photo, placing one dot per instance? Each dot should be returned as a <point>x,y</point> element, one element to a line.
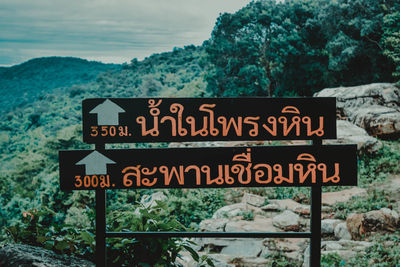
<point>365,114</point>
<point>344,237</point>
<point>27,256</point>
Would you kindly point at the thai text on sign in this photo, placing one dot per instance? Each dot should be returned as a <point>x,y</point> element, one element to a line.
<point>119,120</point>
<point>209,167</point>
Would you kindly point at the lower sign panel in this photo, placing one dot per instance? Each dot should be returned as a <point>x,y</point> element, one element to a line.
<point>209,167</point>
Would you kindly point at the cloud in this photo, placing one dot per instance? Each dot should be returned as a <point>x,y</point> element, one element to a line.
<point>109,30</point>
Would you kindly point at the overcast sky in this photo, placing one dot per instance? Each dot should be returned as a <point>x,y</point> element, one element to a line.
<point>104,30</point>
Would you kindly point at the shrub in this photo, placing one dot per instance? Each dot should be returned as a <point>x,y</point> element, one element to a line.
<point>38,228</point>
<point>192,206</point>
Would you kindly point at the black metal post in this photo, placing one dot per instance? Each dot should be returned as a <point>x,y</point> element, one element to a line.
<point>315,244</point>
<point>210,234</point>
<point>100,222</point>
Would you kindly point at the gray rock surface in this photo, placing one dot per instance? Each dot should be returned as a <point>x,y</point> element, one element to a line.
<point>26,256</point>
<point>253,200</point>
<point>230,211</point>
<point>349,133</point>
<point>286,219</point>
<point>374,107</point>
<point>328,225</point>
<point>341,231</point>
<point>244,248</point>
<point>259,224</point>
<point>331,198</point>
<point>213,225</point>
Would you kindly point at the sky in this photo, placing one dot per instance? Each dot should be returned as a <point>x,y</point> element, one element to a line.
<point>110,31</point>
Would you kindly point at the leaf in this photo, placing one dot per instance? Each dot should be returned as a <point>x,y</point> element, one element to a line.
<point>210,262</point>
<point>41,239</point>
<point>49,244</point>
<point>87,237</point>
<point>194,254</point>
<point>62,245</point>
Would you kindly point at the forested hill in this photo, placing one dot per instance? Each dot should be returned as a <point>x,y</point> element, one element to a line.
<point>23,83</point>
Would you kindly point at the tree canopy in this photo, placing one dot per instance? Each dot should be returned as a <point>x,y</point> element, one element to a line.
<point>297,47</point>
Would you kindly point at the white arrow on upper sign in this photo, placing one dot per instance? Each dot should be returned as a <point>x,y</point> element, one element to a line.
<point>107,113</point>
<point>95,163</point>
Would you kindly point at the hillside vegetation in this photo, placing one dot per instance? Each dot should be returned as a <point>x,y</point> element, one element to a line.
<point>25,83</point>
<point>265,49</point>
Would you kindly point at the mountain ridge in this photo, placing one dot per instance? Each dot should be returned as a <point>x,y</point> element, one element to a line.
<point>26,82</point>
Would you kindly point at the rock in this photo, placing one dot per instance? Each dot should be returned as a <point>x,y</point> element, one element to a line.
<point>213,225</point>
<point>271,207</point>
<point>328,225</point>
<point>288,204</point>
<point>289,244</point>
<point>332,245</point>
<point>341,231</point>
<point>355,226</point>
<point>377,220</point>
<point>25,255</point>
<point>253,200</point>
<point>286,219</point>
<point>391,213</point>
<point>331,198</point>
<point>391,188</point>
<point>252,262</point>
<point>259,224</point>
<point>306,261</point>
<point>244,248</point>
<point>374,107</point>
<point>230,211</point>
<point>219,260</point>
<point>354,245</point>
<point>346,249</point>
<point>372,221</point>
<point>348,133</point>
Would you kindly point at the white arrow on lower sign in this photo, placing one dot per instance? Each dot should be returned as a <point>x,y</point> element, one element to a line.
<point>95,163</point>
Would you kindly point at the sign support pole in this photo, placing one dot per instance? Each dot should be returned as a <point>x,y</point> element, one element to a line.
<point>316,197</point>
<point>100,222</point>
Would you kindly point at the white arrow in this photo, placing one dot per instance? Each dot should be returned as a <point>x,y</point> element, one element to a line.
<point>95,163</point>
<point>107,113</point>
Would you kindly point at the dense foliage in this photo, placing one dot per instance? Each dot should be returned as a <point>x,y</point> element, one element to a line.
<point>298,47</point>
<point>294,47</point>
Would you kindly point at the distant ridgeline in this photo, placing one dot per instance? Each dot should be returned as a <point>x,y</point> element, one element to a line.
<point>23,84</point>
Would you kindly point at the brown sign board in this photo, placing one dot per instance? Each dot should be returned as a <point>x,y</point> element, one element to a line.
<point>220,167</point>
<point>142,120</point>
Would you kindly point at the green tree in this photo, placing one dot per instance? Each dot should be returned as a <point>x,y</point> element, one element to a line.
<point>391,40</point>
<point>299,47</point>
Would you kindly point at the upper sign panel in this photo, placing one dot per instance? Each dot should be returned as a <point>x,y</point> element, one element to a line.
<point>140,120</point>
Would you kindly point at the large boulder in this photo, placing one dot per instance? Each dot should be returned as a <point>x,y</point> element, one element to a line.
<point>374,107</point>
<point>383,220</point>
<point>253,200</point>
<point>331,198</point>
<point>349,133</point>
<point>328,226</point>
<point>287,220</point>
<point>26,256</point>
